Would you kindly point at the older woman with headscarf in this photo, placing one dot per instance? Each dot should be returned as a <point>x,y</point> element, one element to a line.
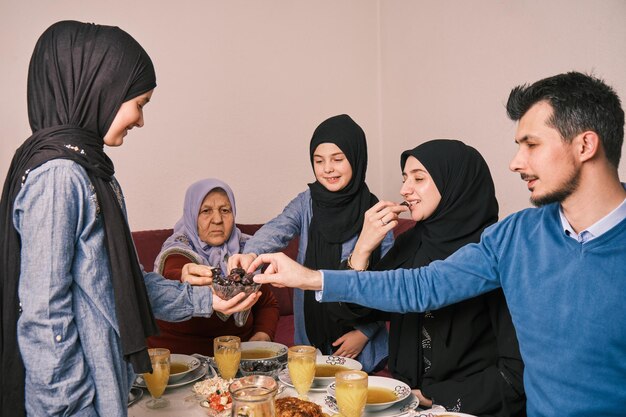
<point>206,234</point>
<point>464,356</point>
<point>76,305</point>
<point>328,218</point>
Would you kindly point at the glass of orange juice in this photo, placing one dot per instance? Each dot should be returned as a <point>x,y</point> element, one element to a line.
<point>157,380</point>
<point>227,351</point>
<point>301,364</point>
<point>351,392</point>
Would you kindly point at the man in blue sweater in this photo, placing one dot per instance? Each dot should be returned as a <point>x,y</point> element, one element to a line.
<point>562,266</point>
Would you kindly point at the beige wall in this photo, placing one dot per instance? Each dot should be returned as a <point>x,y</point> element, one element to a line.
<point>448,67</point>
<point>242,85</point>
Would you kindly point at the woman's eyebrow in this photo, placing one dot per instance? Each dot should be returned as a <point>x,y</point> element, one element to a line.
<point>413,171</point>
<point>331,155</point>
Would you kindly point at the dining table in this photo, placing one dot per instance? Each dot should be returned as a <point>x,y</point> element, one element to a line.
<point>183,402</point>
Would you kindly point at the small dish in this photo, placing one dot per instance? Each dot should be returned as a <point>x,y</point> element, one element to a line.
<point>213,413</point>
<point>185,363</point>
<point>398,388</point>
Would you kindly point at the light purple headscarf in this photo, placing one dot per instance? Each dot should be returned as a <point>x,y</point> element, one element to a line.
<point>185,239</point>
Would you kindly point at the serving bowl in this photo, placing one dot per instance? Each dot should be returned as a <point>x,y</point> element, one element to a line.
<point>329,365</point>
<point>269,367</point>
<point>181,365</point>
<point>256,350</point>
<point>262,358</point>
<point>396,389</point>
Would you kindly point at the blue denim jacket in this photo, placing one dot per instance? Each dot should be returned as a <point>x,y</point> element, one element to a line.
<point>68,332</point>
<point>278,232</point>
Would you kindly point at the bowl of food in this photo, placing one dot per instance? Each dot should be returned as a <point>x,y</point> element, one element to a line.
<point>326,366</point>
<point>382,392</point>
<point>226,287</point>
<point>256,350</point>
<point>214,396</point>
<point>262,358</point>
<point>181,366</point>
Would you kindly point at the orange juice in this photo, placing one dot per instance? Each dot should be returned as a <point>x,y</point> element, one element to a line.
<point>302,372</point>
<point>157,380</point>
<point>351,392</point>
<point>227,360</point>
<point>351,399</point>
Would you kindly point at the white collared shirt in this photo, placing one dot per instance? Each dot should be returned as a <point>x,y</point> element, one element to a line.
<point>598,228</point>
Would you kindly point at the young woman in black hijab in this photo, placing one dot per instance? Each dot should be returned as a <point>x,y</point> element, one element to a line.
<point>464,356</point>
<point>75,302</point>
<point>328,218</point>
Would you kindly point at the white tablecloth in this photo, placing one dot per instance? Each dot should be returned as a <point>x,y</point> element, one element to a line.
<point>183,403</point>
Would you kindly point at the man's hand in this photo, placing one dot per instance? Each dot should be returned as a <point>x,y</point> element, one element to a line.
<point>238,303</point>
<point>196,274</point>
<point>282,271</point>
<point>260,337</point>
<point>240,260</point>
<point>350,344</point>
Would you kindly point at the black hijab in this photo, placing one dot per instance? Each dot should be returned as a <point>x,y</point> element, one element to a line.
<point>337,217</point>
<point>468,205</point>
<point>79,76</point>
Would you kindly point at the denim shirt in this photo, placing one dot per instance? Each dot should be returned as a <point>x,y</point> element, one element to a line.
<point>278,232</point>
<point>68,332</point>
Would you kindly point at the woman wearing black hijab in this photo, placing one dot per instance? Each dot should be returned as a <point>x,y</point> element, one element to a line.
<point>75,302</point>
<point>328,218</point>
<point>464,356</point>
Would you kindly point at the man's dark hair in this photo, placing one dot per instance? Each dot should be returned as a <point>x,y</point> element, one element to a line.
<point>579,102</point>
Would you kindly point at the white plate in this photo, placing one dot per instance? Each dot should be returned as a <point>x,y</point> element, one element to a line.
<point>279,348</point>
<point>191,362</point>
<point>399,388</point>
<point>187,379</point>
<point>398,409</point>
<point>334,360</point>
<point>429,413</point>
<point>283,376</point>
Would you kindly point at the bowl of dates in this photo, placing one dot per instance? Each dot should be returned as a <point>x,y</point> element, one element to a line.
<point>226,287</point>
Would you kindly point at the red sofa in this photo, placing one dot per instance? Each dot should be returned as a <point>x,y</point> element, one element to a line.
<point>149,242</point>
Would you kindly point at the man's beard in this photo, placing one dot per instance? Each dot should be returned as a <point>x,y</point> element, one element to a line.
<point>560,194</point>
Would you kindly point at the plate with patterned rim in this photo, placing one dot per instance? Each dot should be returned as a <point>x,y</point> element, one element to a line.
<point>442,413</point>
<point>339,361</point>
<point>399,389</point>
<point>398,409</point>
<point>187,379</point>
<point>284,377</point>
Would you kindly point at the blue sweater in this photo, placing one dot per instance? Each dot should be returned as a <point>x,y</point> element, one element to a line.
<point>566,300</point>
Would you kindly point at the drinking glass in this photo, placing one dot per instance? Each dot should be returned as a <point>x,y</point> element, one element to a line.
<point>351,392</point>
<point>157,380</point>
<point>301,364</point>
<point>227,351</point>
